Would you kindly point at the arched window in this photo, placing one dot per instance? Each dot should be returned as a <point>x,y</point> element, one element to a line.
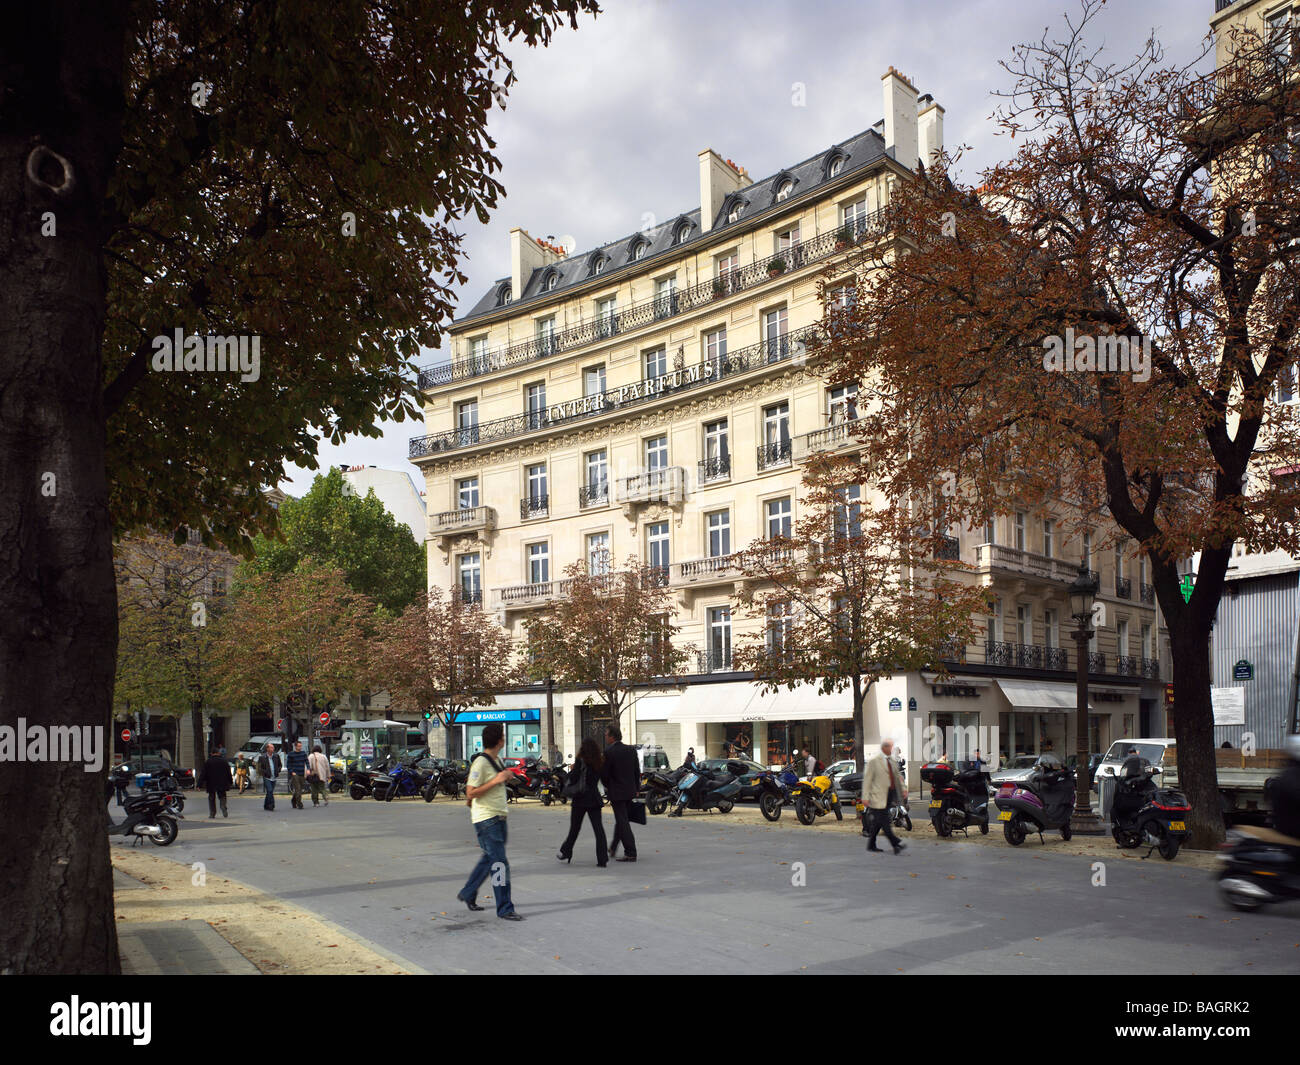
<point>503,295</point>
<point>639,251</point>
<point>683,231</point>
<point>551,281</point>
<point>837,164</point>
<point>598,265</point>
<point>784,189</point>
<point>737,209</point>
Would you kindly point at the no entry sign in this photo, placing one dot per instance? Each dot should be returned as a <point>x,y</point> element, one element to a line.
<point>324,718</point>
<point>126,735</point>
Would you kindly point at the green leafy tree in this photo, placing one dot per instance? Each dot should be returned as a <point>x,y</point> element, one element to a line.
<point>377,554</point>
<point>286,173</point>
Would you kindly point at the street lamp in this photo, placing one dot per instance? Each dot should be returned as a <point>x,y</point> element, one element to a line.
<point>1083,590</point>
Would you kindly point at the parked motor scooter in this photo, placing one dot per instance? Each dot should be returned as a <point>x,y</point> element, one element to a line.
<point>704,789</point>
<point>1142,813</point>
<point>659,788</point>
<point>1044,801</point>
<point>959,798</point>
<point>147,816</point>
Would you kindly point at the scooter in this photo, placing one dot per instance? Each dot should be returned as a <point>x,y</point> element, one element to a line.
<point>958,798</point>
<point>1260,865</point>
<point>659,789</point>
<point>553,782</point>
<point>702,789</point>
<point>1044,801</point>
<point>147,816</point>
<point>1142,813</point>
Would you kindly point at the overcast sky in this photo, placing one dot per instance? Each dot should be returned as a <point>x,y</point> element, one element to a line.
<point>604,126</point>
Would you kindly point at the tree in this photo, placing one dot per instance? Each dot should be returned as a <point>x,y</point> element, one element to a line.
<point>288,174</point>
<point>445,656</point>
<point>377,554</point>
<point>851,596</point>
<point>611,630</point>
<point>1147,223</point>
<point>296,639</point>
<point>170,600</point>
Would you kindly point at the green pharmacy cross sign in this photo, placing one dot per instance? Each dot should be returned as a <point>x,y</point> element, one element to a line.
<point>1186,584</point>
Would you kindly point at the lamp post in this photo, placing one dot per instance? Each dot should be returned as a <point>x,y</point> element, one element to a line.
<point>1083,590</point>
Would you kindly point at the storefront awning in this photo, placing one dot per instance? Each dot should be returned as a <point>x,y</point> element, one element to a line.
<point>1040,696</point>
<point>742,701</point>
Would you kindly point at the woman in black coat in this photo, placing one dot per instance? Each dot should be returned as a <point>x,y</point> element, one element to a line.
<point>586,773</point>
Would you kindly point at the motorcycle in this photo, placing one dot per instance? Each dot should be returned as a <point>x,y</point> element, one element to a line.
<point>815,798</point>
<point>1142,813</point>
<point>338,780</point>
<point>958,798</point>
<point>162,782</point>
<point>1260,865</point>
<point>361,782</point>
<point>659,788</point>
<point>147,816</point>
<point>529,775</point>
<point>772,795</point>
<point>702,789</point>
<point>553,782</point>
<point>401,781</point>
<point>1044,801</point>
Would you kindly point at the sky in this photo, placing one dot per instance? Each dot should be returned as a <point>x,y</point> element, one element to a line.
<point>604,126</point>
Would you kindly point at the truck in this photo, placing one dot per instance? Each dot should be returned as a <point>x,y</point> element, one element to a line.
<point>1243,781</point>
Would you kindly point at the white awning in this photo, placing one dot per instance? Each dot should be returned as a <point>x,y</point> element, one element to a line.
<point>655,707</point>
<point>1040,696</point>
<point>743,701</point>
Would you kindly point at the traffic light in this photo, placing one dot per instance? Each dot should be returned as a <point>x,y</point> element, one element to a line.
<point>428,715</point>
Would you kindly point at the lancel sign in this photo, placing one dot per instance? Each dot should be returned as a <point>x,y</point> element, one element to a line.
<point>629,393</point>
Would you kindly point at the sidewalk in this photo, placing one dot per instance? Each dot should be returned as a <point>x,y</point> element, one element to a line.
<point>176,921</point>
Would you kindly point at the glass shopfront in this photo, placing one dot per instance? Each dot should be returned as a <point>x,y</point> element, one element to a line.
<point>523,731</point>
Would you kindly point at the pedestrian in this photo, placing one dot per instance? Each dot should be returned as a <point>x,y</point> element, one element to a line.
<point>318,776</point>
<point>487,801</point>
<point>690,758</point>
<point>586,802</point>
<point>621,783</point>
<point>216,778</point>
<point>268,767</point>
<point>980,764</point>
<point>880,778</point>
<point>810,763</point>
<point>297,773</point>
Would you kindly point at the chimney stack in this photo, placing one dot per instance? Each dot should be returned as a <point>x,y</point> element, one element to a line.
<point>930,124</point>
<point>526,255</point>
<point>900,119</point>
<point>718,180</point>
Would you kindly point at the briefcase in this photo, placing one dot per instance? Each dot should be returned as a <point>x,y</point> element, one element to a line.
<point>636,812</point>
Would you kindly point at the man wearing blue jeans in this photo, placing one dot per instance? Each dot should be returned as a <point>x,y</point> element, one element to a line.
<point>487,793</point>
<point>268,767</point>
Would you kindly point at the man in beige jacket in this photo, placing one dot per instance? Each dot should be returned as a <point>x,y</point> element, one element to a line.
<point>318,776</point>
<point>878,779</point>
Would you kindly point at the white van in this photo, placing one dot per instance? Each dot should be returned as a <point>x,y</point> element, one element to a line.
<point>1153,750</point>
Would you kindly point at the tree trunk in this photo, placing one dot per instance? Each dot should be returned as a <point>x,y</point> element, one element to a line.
<point>196,726</point>
<point>62,65</point>
<point>1194,728</point>
<point>859,724</point>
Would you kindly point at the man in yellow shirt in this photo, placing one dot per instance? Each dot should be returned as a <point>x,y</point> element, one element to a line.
<point>487,795</point>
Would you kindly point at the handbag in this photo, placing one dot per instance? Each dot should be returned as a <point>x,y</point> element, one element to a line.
<point>636,811</point>
<point>576,784</point>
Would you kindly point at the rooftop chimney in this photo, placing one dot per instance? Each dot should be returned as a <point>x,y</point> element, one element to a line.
<point>930,123</point>
<point>718,180</point>
<point>526,255</point>
<point>900,118</point>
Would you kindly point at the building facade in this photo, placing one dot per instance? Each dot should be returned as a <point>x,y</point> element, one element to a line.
<point>652,398</point>
<point>395,490</point>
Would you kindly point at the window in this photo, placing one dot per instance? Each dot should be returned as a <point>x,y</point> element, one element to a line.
<point>837,164</point>
<point>778,517</point>
<point>774,333</point>
<point>854,217</point>
<point>467,493</point>
<point>478,361</point>
<point>545,334</point>
<point>552,280</point>
<point>1087,550</point>
<point>1119,562</point>
<point>1018,531</point>
<point>717,458</point>
<point>1121,637</point>
<point>1280,34</point>
<point>656,363</point>
<point>539,563</point>
<point>467,422</point>
<point>719,637</point>
<point>1146,642</point>
<point>639,251</point>
<point>598,265</point>
<point>535,478</point>
<point>656,544</point>
<point>848,512</point>
<point>995,622</point>
<point>665,297</point>
<point>726,268</point>
<point>784,189</point>
<point>737,209</point>
<point>1051,629</point>
<point>471,590</point>
<point>1049,537</point>
<point>719,527</point>
<point>593,380</point>
<point>787,239</point>
<point>607,316</point>
<point>780,628</point>
<point>715,345</point>
<point>1285,389</point>
<point>1024,624</point>
<point>598,560</point>
<point>683,232</point>
<point>991,531</point>
<point>656,453</point>
<point>596,490</point>
<point>842,403</point>
<point>776,436</point>
<point>503,295</point>
<point>535,405</point>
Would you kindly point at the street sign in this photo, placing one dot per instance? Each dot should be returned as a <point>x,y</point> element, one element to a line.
<point>329,734</point>
<point>895,704</point>
<point>324,718</point>
<point>1243,670</point>
<point>911,705</point>
<point>126,735</point>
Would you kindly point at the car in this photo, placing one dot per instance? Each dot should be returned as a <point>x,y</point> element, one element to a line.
<point>1152,750</point>
<point>1094,760</point>
<point>151,763</point>
<point>743,769</point>
<point>652,758</point>
<point>1016,770</point>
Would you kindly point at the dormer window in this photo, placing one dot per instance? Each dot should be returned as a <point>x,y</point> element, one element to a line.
<point>551,281</point>
<point>683,231</point>
<point>837,164</point>
<point>598,265</point>
<point>737,209</point>
<point>784,189</point>
<point>503,295</point>
<point>639,251</point>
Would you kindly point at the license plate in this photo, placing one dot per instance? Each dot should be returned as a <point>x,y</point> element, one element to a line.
<point>935,804</point>
<point>1005,815</point>
<point>1178,826</point>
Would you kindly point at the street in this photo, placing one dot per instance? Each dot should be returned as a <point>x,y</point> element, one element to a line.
<point>715,894</point>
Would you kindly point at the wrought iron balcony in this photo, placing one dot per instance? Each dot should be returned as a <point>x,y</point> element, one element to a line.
<point>655,309</point>
<point>667,485</point>
<point>716,661</point>
<point>717,468</point>
<point>1096,662</point>
<point>1127,665</point>
<point>775,454</point>
<point>948,550</point>
<point>951,651</point>
<point>998,653</point>
<point>1148,593</point>
<point>471,596</point>
<point>534,507</point>
<point>1056,658</point>
<point>618,399</point>
<point>1150,668</point>
<point>595,494</point>
<point>1124,587</point>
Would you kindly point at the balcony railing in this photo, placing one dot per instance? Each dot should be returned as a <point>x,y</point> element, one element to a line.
<point>1127,665</point>
<point>1056,658</point>
<point>1148,593</point>
<point>1150,668</point>
<point>702,569</point>
<point>593,495</point>
<point>775,454</point>
<point>838,435</point>
<point>471,596</point>
<point>1124,587</point>
<point>665,485</point>
<point>1096,662</point>
<point>999,556</point>
<point>647,312</point>
<point>948,549</point>
<point>463,520</point>
<point>534,507</point>
<point>618,399</point>
<point>717,468</point>
<point>715,661</point>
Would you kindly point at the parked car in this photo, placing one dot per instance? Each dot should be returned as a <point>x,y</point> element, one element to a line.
<point>1015,771</point>
<point>1094,760</point>
<point>744,770</point>
<point>151,763</point>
